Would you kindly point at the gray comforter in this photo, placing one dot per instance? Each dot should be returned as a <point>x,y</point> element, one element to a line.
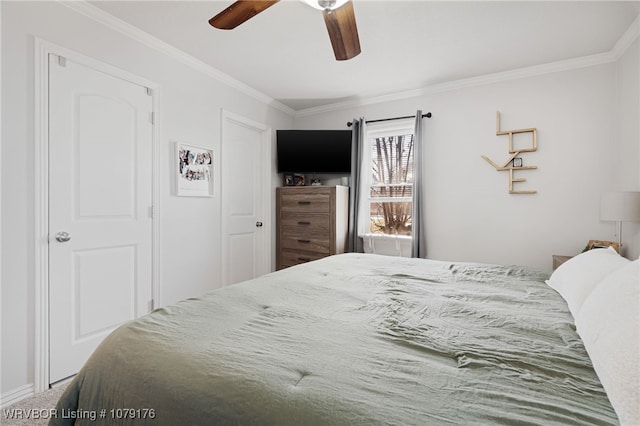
<point>349,340</point>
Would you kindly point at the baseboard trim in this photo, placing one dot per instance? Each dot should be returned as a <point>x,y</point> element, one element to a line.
<point>11,397</point>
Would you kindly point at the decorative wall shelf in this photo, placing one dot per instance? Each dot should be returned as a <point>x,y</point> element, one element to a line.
<point>514,162</point>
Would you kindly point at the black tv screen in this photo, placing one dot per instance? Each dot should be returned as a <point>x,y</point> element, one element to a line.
<point>314,151</point>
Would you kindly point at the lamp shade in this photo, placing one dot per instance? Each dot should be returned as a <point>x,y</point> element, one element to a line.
<point>620,206</point>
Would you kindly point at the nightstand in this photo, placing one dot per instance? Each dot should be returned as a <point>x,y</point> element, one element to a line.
<point>559,260</point>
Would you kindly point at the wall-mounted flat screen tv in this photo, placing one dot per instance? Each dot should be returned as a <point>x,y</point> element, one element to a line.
<point>314,151</point>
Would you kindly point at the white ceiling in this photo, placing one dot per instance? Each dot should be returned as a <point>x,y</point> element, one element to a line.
<point>285,52</point>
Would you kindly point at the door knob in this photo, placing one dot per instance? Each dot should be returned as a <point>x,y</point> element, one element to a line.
<point>63,237</point>
<point>259,224</point>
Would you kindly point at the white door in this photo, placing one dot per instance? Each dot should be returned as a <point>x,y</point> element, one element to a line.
<point>246,174</point>
<point>100,216</point>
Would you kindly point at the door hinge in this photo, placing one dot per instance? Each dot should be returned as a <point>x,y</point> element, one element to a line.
<point>62,61</point>
<point>152,305</point>
<point>152,211</point>
<point>152,117</point>
<point>149,91</point>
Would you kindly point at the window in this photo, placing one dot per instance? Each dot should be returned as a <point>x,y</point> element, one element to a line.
<point>391,185</point>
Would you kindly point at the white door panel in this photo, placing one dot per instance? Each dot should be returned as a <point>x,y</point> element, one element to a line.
<point>241,253</point>
<point>100,306</point>
<point>100,194</point>
<point>98,140</point>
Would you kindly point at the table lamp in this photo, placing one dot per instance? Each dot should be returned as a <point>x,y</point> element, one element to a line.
<point>620,206</point>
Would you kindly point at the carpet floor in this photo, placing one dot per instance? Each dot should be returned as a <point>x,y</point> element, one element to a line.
<point>42,403</point>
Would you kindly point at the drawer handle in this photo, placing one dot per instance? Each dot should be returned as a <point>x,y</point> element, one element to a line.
<point>304,223</point>
<point>304,241</point>
<point>304,202</point>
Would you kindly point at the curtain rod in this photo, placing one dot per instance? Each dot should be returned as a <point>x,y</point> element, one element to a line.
<point>428,115</point>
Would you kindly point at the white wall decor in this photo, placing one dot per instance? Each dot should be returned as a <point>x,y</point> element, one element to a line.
<point>194,171</point>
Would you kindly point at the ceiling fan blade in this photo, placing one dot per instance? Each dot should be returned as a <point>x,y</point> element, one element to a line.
<point>239,12</point>
<point>341,24</point>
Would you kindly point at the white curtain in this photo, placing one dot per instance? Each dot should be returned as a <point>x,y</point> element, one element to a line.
<point>418,248</point>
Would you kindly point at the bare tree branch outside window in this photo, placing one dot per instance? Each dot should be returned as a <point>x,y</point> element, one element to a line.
<point>391,190</point>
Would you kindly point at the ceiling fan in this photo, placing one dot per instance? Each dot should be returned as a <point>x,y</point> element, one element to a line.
<point>338,17</point>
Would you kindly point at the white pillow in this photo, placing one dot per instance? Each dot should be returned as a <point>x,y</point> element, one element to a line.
<point>608,324</point>
<point>576,277</point>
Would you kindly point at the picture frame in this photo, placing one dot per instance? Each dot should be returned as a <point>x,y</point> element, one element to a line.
<point>287,179</point>
<point>298,179</point>
<point>193,170</point>
<point>593,244</point>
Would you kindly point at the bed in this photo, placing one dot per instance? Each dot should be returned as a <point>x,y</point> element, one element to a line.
<point>358,339</point>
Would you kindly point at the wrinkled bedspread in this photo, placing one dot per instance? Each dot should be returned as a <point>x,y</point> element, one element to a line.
<point>352,339</point>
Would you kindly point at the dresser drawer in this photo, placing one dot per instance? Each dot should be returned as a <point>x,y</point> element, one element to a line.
<point>306,203</point>
<point>305,225</point>
<point>318,245</point>
<point>290,258</point>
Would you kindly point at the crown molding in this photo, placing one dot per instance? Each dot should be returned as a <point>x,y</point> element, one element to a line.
<point>621,46</point>
<point>148,40</point>
<point>516,74</point>
<point>627,39</point>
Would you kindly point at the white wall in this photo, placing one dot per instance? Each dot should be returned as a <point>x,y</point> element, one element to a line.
<point>469,213</point>
<point>190,111</point>
<point>626,138</point>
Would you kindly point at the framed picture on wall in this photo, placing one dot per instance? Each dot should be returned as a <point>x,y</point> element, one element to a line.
<point>194,171</point>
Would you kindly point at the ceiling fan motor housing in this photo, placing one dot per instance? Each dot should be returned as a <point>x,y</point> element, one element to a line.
<point>327,5</point>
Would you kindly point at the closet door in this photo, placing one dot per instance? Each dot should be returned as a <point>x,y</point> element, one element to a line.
<point>246,177</point>
<point>100,216</point>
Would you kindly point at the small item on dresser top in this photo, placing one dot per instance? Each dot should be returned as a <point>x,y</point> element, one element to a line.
<point>594,244</point>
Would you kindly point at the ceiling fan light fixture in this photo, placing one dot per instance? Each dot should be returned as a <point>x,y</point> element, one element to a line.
<point>339,18</point>
<point>326,5</point>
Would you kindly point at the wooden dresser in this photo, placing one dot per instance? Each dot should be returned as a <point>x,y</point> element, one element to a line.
<point>312,223</point>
